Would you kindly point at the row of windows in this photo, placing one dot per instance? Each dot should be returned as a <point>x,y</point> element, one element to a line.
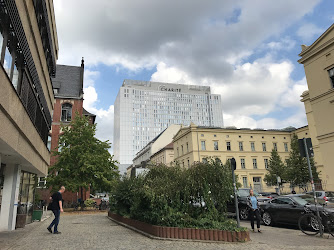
<point>241,146</point>
<point>243,164</point>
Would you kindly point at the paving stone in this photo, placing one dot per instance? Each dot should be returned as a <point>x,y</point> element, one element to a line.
<point>96,231</point>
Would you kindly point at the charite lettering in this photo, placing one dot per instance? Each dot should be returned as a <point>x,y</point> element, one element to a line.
<point>164,88</point>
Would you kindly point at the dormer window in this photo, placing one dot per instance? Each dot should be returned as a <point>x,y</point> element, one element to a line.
<point>55,91</point>
<point>331,76</point>
<point>66,112</point>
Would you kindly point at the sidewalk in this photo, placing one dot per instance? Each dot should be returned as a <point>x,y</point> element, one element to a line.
<point>95,231</point>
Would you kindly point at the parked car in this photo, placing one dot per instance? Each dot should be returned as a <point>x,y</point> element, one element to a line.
<point>243,193</point>
<point>327,196</point>
<point>288,209</point>
<point>268,194</point>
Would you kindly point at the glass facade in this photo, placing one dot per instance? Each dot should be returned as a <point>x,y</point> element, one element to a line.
<point>26,195</point>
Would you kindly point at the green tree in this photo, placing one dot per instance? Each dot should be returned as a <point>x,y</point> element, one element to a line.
<point>276,169</point>
<point>297,169</point>
<point>83,161</point>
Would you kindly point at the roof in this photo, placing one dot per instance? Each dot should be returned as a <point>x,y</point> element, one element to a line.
<point>68,81</point>
<point>85,112</point>
<point>168,146</point>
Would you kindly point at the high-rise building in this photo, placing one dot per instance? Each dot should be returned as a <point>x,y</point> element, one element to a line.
<point>144,109</point>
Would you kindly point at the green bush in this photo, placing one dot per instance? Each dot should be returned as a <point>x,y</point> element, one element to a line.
<point>89,203</point>
<point>172,196</point>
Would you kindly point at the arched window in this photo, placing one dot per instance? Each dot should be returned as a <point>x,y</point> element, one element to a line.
<point>66,112</point>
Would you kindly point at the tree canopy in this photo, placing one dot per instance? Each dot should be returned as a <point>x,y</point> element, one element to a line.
<point>275,169</point>
<point>82,160</point>
<point>297,172</point>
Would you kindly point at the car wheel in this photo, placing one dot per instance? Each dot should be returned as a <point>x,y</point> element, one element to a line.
<point>267,219</point>
<point>243,213</point>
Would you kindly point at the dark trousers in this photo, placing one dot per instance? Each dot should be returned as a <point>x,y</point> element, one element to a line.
<point>255,212</point>
<point>55,221</point>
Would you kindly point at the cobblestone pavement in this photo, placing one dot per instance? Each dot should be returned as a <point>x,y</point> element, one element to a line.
<point>96,231</point>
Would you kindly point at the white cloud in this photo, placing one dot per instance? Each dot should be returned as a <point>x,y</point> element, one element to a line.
<point>104,117</point>
<point>257,88</point>
<point>309,31</point>
<point>194,36</point>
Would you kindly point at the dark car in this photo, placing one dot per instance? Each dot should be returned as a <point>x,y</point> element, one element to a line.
<point>288,209</point>
<point>269,194</point>
<point>243,193</point>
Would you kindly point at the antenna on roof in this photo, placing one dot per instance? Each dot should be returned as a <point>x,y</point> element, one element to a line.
<point>82,62</point>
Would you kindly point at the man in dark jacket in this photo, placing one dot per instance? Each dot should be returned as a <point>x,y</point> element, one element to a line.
<point>56,207</point>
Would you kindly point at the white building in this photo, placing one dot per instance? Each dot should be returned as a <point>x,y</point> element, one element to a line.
<point>144,109</point>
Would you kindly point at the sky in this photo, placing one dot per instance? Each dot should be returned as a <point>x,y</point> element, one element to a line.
<point>245,50</point>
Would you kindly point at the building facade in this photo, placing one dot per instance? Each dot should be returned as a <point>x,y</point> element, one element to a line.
<point>144,109</point>
<point>164,156</point>
<point>29,50</point>
<point>250,148</point>
<point>68,92</point>
<point>318,61</point>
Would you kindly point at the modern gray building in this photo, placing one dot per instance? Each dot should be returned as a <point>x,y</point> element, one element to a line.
<point>143,109</point>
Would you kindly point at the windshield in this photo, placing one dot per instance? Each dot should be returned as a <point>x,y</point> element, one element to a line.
<point>305,199</point>
<point>245,193</point>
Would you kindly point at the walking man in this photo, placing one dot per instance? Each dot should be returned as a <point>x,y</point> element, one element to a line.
<point>56,207</point>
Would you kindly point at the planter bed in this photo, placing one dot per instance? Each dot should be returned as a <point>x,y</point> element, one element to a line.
<point>183,233</point>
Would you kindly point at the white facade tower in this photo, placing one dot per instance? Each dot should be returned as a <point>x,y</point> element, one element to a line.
<point>144,109</point>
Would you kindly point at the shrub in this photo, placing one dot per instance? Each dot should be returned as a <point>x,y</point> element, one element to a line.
<point>176,197</point>
<point>89,203</point>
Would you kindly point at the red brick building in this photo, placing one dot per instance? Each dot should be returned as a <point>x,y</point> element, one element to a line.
<point>68,91</point>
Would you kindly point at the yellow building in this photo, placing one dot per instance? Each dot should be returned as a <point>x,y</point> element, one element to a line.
<point>164,155</point>
<point>250,148</point>
<point>318,61</point>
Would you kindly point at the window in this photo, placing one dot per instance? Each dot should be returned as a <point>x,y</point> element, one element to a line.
<point>214,135</point>
<point>254,163</point>
<point>275,146</point>
<point>215,145</point>
<point>205,160</point>
<point>286,147</point>
<point>182,149</point>
<point>203,145</point>
<point>228,146</point>
<point>252,146</point>
<point>242,163</point>
<point>241,147</point>
<point>66,112</point>
<point>41,182</point>
<point>331,76</point>
<point>244,182</point>
<point>264,148</point>
<point>177,149</point>
<point>187,148</point>
<point>266,163</point>
<point>49,143</point>
<point>8,62</point>
<point>188,163</point>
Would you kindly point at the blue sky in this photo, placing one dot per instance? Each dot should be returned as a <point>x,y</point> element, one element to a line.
<point>247,51</point>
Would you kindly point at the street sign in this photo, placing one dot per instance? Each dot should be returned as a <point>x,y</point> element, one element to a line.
<point>309,147</point>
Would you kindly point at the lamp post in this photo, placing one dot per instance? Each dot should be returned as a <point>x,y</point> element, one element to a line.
<point>233,167</point>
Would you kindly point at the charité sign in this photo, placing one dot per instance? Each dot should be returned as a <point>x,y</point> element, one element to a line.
<point>164,88</point>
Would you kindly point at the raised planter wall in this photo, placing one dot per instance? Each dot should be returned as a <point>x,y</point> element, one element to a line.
<point>183,233</point>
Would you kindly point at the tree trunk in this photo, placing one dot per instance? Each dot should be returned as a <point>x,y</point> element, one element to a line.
<point>82,200</point>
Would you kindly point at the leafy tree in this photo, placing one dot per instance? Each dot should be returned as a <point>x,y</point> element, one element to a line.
<point>297,169</point>
<point>83,161</point>
<point>276,169</point>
